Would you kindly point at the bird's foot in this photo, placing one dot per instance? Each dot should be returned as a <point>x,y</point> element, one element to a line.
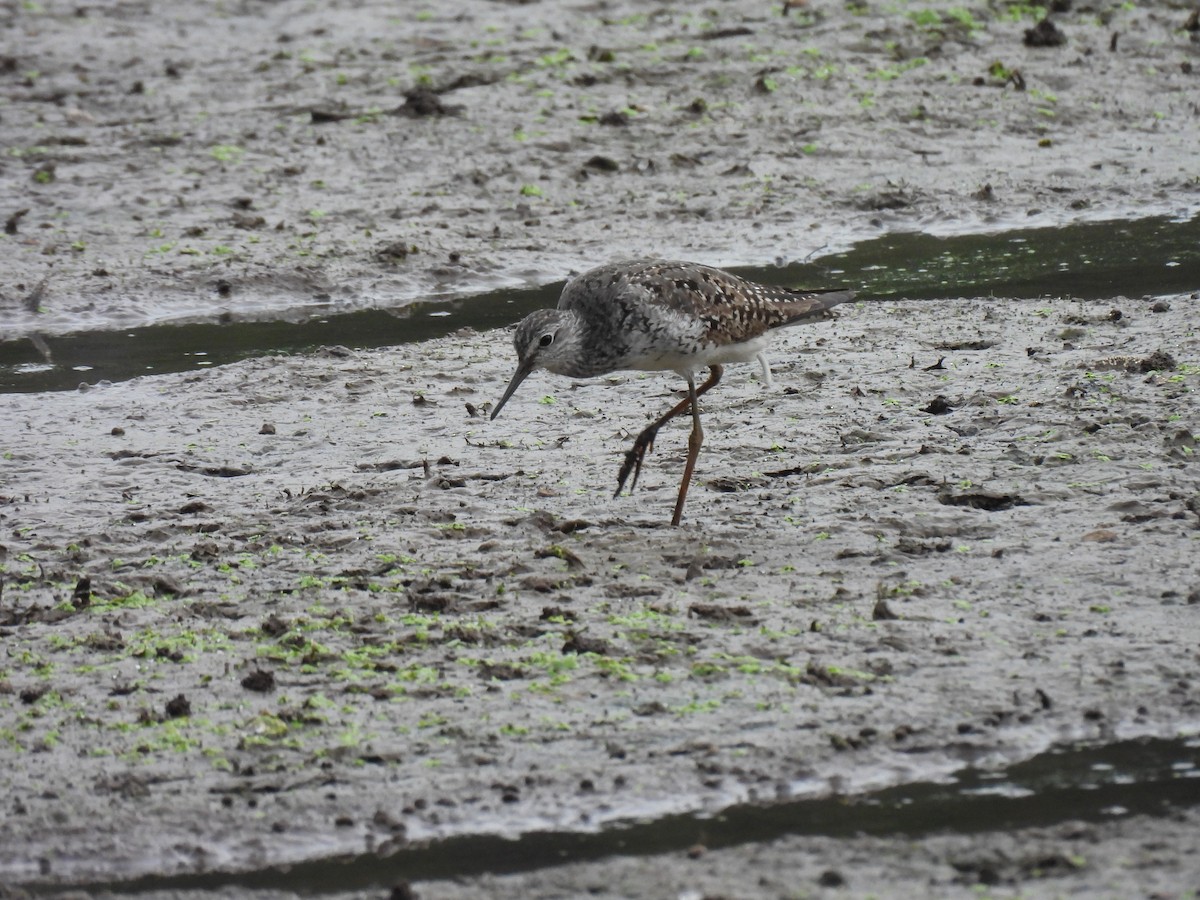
<point>633,460</point>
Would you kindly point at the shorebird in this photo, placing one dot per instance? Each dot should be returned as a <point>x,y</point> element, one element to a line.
<point>653,315</point>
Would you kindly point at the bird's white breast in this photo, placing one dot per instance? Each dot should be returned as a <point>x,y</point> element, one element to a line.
<point>652,360</point>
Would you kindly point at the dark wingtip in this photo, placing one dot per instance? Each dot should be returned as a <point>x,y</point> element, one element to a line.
<point>834,297</point>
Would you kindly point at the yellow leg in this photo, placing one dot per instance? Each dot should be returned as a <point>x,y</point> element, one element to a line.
<point>645,441</point>
<point>694,443</point>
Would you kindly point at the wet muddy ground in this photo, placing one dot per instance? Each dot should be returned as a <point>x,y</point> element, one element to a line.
<point>311,605</point>
<point>314,605</point>
<point>187,161</point>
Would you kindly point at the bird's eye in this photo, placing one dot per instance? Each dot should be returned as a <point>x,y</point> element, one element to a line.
<point>546,339</point>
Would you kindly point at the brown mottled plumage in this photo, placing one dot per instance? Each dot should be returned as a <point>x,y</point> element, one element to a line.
<point>660,316</point>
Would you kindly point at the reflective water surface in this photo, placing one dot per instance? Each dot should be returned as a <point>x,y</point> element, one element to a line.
<point>1137,777</point>
<point>1090,260</point>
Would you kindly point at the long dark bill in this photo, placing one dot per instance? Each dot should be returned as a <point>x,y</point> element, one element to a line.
<point>523,370</point>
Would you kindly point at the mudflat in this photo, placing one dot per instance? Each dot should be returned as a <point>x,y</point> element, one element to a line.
<point>309,606</point>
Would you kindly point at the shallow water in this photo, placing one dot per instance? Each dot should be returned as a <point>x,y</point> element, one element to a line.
<point>1090,261</point>
<point>1137,777</point>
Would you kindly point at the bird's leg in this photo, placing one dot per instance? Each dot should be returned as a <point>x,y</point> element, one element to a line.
<point>766,369</point>
<point>645,441</point>
<point>694,442</point>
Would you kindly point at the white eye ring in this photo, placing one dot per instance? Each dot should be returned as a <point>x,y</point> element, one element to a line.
<point>546,339</point>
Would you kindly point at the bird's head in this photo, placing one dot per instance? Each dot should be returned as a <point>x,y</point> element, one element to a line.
<point>545,339</point>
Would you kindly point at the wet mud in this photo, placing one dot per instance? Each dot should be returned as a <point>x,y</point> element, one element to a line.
<point>307,607</point>
<point>250,159</point>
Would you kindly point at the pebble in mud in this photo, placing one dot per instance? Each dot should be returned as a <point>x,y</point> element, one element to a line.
<point>1045,34</point>
<point>260,681</point>
<point>178,707</point>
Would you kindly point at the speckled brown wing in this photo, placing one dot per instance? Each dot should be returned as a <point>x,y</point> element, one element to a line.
<point>732,309</point>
